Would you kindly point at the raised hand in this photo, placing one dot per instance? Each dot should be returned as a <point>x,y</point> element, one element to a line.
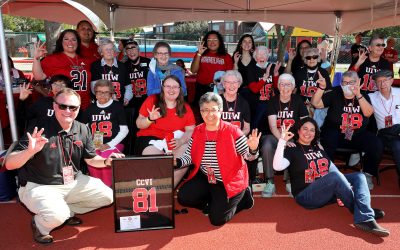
<point>39,50</point>
<point>201,48</point>
<point>36,141</point>
<point>321,81</point>
<point>236,57</point>
<point>362,56</point>
<point>267,70</point>
<point>292,54</point>
<point>286,134</point>
<point>277,67</point>
<point>154,113</point>
<point>356,88</point>
<point>254,139</point>
<point>24,91</point>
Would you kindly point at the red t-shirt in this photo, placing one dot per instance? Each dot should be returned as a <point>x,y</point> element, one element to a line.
<point>390,54</point>
<point>91,53</point>
<point>167,124</point>
<point>211,63</point>
<point>77,69</point>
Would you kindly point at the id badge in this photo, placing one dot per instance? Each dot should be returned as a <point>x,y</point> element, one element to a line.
<point>348,134</point>
<point>308,176</point>
<point>388,121</point>
<point>211,176</point>
<point>98,139</point>
<point>68,174</point>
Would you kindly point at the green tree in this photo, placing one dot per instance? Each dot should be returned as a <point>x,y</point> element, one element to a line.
<point>388,31</point>
<point>22,24</point>
<point>284,33</point>
<point>192,30</point>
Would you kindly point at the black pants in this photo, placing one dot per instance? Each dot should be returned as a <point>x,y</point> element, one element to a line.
<point>365,141</point>
<point>197,193</point>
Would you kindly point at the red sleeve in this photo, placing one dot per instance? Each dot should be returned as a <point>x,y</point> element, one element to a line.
<point>47,65</point>
<point>190,121</point>
<point>255,87</point>
<point>228,62</point>
<point>147,105</point>
<point>275,81</point>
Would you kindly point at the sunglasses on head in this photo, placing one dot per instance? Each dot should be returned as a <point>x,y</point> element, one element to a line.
<point>65,107</point>
<point>380,45</point>
<point>311,57</point>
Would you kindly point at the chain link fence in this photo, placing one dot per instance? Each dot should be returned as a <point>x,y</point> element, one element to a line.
<point>20,44</point>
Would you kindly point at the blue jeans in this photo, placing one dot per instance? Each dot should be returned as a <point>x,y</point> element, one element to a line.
<point>352,189</point>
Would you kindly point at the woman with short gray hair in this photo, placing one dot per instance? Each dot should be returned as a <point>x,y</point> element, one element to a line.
<point>219,182</point>
<point>108,68</point>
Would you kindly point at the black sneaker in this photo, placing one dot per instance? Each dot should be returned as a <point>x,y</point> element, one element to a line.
<point>379,214</point>
<point>372,227</point>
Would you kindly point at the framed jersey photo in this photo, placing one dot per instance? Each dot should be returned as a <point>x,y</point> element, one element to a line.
<point>143,193</point>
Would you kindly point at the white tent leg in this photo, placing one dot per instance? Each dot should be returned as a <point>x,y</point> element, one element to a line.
<point>112,9</point>
<point>336,40</point>
<point>7,81</point>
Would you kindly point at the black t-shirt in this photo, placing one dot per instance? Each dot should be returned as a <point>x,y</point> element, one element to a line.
<point>40,109</point>
<point>117,75</point>
<point>306,82</point>
<point>307,164</point>
<point>344,113</point>
<point>138,77</point>
<point>246,71</point>
<point>236,112</point>
<point>367,69</point>
<point>106,120</point>
<point>256,73</point>
<point>288,113</point>
<point>45,167</point>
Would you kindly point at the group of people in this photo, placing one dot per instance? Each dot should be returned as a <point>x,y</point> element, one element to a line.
<point>97,102</point>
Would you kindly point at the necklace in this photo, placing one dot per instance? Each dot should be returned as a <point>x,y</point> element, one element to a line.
<point>391,102</point>
<point>74,65</point>
<point>230,112</point>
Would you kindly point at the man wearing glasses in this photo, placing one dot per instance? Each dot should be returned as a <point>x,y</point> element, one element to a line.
<point>48,159</point>
<point>386,103</point>
<point>369,62</point>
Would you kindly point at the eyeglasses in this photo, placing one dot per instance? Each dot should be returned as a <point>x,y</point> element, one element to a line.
<point>209,111</point>
<point>380,82</point>
<point>380,45</point>
<point>171,87</point>
<point>65,107</point>
<point>131,48</point>
<point>233,83</point>
<point>162,54</point>
<point>285,85</point>
<point>102,92</point>
<point>312,57</point>
<point>344,83</point>
<point>212,40</point>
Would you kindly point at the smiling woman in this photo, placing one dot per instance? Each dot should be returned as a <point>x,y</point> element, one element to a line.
<point>161,67</point>
<point>65,60</point>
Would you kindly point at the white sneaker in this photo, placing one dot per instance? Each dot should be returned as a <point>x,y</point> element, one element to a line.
<point>354,160</point>
<point>269,190</point>
<point>289,188</point>
<point>369,181</point>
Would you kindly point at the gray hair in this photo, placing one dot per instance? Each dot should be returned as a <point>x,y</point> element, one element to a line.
<point>211,97</point>
<point>104,43</point>
<point>383,73</point>
<point>311,52</point>
<point>234,73</point>
<point>352,74</point>
<point>288,77</point>
<point>261,49</point>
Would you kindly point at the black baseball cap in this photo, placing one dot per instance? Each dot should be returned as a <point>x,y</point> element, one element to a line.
<point>131,41</point>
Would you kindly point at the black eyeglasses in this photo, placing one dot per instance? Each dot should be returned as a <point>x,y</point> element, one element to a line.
<point>65,107</point>
<point>312,57</point>
<point>380,45</point>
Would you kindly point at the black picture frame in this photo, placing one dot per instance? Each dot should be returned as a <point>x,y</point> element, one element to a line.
<point>151,180</point>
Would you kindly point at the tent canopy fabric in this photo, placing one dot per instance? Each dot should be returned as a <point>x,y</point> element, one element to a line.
<point>318,15</point>
<point>51,10</point>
